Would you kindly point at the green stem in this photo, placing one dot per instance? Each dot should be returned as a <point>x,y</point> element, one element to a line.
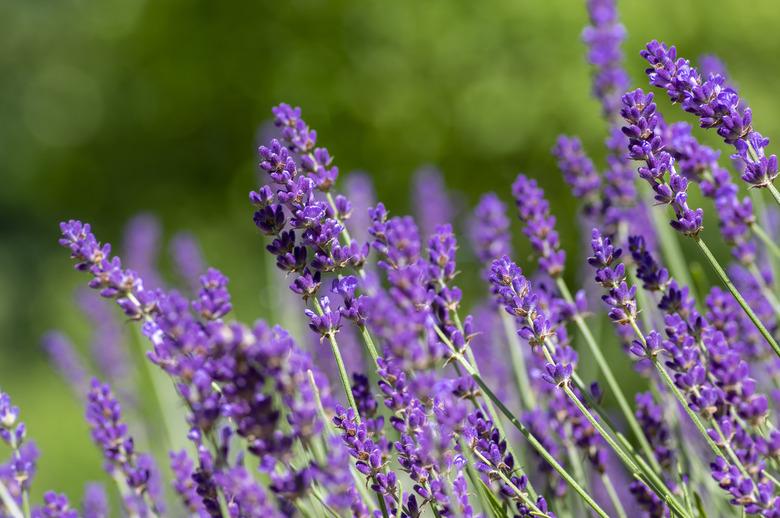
<point>766,291</point>
<point>526,433</point>
<point>517,357</point>
<point>775,194</point>
<point>762,234</point>
<point>737,295</point>
<point>636,471</point>
<point>9,503</point>
<point>334,346</point>
<point>611,380</point>
<point>613,496</point>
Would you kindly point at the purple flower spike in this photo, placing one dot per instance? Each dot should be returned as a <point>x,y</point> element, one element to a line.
<point>55,505</point>
<point>301,140</point>
<point>188,258</point>
<point>717,106</point>
<point>432,205</point>
<point>213,298</point>
<point>647,145</point>
<point>67,361</point>
<point>577,168</point>
<point>95,502</point>
<point>603,38</point>
<point>110,434</point>
<point>185,486</point>
<point>619,297</point>
<point>489,230</point>
<point>534,211</point>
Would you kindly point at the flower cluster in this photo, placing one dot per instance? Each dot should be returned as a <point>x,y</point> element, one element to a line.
<point>386,397</point>
<point>717,105</point>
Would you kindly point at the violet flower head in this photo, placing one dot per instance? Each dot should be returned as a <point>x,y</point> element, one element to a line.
<point>95,501</point>
<point>67,361</point>
<point>717,106</point>
<point>489,229</point>
<point>213,300</point>
<point>315,162</point>
<point>12,430</point>
<point>603,38</point>
<point>110,434</point>
<point>141,246</point>
<point>646,145</point>
<point>108,276</point>
<point>577,168</point>
<point>534,211</point>
<point>619,297</point>
<point>184,484</point>
<point>360,191</point>
<point>188,258</point>
<point>108,344</point>
<point>432,205</point>
<point>55,505</point>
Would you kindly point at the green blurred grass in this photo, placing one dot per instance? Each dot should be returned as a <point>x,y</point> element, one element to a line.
<point>110,108</point>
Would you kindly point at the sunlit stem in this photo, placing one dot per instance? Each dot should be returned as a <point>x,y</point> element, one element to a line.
<point>519,369</point>
<point>775,194</point>
<point>612,382</point>
<point>737,295</point>
<point>660,489</point>
<point>9,503</point>
<point>334,346</point>
<point>765,289</point>
<point>521,427</point>
<point>765,238</point>
<point>613,496</point>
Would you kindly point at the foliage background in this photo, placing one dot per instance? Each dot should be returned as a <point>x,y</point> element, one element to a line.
<point>115,107</point>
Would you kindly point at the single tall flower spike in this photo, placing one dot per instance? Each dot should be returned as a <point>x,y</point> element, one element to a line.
<point>646,145</point>
<point>717,106</point>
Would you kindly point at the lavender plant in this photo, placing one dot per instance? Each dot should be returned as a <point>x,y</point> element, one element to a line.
<point>423,417</point>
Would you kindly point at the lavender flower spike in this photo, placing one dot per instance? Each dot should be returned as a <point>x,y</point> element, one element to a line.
<point>717,106</point>
<point>110,434</point>
<point>603,37</point>
<point>646,145</point>
<point>534,211</point>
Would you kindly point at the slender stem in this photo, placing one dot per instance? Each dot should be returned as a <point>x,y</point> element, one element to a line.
<point>636,471</point>
<point>383,506</point>
<point>766,291</point>
<point>737,295</point>
<point>519,369</point>
<point>9,503</point>
<point>775,194</point>
<point>611,380</point>
<point>762,234</point>
<point>511,485</point>
<point>613,496</point>
<point>526,433</point>
<point>370,347</point>
<point>334,346</point>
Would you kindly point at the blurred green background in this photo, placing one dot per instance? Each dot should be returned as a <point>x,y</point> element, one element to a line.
<point>115,107</point>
